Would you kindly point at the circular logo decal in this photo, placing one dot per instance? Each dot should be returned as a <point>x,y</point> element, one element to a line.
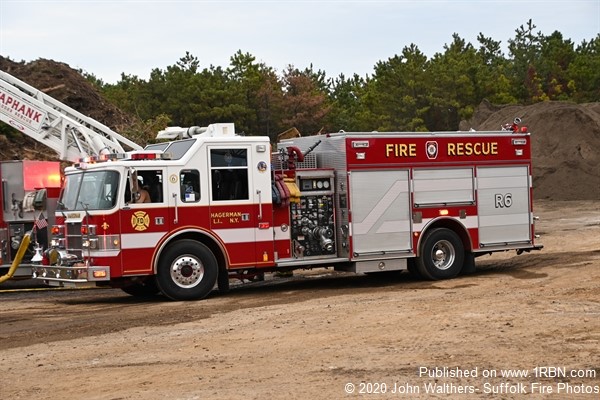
<point>173,178</point>
<point>432,150</point>
<point>262,166</point>
<point>140,220</point>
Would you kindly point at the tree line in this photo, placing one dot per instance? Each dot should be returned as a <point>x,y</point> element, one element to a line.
<point>407,92</point>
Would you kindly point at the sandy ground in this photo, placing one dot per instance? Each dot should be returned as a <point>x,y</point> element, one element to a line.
<point>322,335</point>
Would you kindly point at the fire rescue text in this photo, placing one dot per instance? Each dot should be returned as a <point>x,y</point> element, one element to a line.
<point>452,149</point>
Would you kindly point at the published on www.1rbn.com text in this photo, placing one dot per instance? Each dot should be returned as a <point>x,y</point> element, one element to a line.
<point>539,380</point>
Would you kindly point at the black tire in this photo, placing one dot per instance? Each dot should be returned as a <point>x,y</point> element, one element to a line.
<point>442,255</point>
<point>469,264</point>
<point>411,265</point>
<point>187,270</point>
<point>148,288</point>
<point>223,281</point>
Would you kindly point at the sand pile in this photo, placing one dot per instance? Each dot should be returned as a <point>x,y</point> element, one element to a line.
<point>566,145</point>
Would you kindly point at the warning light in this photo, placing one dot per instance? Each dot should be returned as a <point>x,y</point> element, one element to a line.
<point>57,230</point>
<point>143,156</point>
<point>99,274</point>
<point>444,212</point>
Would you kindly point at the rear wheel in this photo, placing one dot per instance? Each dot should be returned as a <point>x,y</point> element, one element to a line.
<point>187,270</point>
<point>442,255</point>
<point>412,269</point>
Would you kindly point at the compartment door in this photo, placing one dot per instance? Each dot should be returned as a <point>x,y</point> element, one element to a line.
<point>503,205</point>
<point>380,210</point>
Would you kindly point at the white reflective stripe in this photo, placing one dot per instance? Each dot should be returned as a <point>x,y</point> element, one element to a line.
<point>244,235</point>
<point>102,253</point>
<point>469,222</point>
<point>140,240</point>
<point>241,235</point>
<point>263,235</point>
<point>281,235</point>
<point>364,226</point>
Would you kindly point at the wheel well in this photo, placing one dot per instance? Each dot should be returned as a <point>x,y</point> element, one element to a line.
<point>452,225</point>
<point>209,242</point>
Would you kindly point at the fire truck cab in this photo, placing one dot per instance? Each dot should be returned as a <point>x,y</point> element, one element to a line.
<point>222,206</point>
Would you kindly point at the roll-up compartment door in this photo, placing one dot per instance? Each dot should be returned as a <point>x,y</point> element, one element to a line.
<point>380,211</point>
<point>503,205</point>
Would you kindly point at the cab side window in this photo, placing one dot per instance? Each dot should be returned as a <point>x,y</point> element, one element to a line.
<point>150,181</point>
<point>190,185</point>
<point>229,174</point>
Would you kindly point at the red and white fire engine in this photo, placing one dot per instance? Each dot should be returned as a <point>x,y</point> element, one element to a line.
<point>223,206</point>
<point>207,205</point>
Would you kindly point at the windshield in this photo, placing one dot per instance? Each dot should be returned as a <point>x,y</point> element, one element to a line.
<point>92,190</point>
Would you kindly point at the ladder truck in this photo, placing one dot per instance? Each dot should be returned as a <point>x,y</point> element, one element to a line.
<point>223,206</point>
<point>30,189</point>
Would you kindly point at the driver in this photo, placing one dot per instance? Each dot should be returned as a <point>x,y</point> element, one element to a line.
<point>141,195</point>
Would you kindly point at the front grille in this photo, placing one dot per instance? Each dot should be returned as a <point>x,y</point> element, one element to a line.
<point>74,240</point>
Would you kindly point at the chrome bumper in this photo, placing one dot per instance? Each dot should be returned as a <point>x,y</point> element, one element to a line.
<point>76,274</point>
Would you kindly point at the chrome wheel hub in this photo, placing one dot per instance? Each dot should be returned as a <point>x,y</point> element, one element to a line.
<point>443,255</point>
<point>187,271</point>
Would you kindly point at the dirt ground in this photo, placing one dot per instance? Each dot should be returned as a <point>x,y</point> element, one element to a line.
<point>323,335</point>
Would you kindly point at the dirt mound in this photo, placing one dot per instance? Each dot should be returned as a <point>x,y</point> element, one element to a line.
<point>67,86</point>
<point>565,140</point>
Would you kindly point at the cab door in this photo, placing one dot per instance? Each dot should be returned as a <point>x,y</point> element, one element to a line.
<point>240,202</point>
<point>143,223</point>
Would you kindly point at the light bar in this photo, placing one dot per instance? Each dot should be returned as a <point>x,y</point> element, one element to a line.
<point>144,156</point>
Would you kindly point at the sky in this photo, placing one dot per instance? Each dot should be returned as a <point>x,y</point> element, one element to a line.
<point>108,37</point>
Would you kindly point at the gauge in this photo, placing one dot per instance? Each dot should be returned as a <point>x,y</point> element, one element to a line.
<point>326,184</point>
<point>320,184</point>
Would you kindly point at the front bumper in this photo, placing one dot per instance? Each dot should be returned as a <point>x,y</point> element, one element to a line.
<point>77,274</point>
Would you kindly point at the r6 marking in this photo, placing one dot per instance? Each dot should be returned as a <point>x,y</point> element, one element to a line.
<point>503,200</point>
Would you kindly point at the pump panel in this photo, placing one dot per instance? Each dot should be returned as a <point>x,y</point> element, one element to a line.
<point>312,217</point>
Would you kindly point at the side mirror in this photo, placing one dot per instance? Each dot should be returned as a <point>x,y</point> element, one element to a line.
<point>39,200</point>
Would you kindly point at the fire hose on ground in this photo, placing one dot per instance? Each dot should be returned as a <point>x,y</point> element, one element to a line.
<point>18,257</point>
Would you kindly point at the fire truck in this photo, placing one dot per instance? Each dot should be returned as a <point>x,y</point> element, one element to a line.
<point>223,206</point>
<point>29,189</point>
<point>205,205</point>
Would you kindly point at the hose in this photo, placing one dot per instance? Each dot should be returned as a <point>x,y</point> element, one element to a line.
<point>18,257</point>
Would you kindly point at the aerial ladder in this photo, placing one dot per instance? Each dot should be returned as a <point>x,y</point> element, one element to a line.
<point>72,136</point>
<point>69,133</point>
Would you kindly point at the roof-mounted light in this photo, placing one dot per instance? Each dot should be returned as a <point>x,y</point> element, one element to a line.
<point>143,156</point>
<point>149,155</point>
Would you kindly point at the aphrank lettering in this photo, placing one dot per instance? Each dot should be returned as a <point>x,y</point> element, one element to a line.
<point>22,111</point>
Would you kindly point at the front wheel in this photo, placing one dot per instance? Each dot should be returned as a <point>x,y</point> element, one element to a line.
<point>187,270</point>
<point>442,255</point>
